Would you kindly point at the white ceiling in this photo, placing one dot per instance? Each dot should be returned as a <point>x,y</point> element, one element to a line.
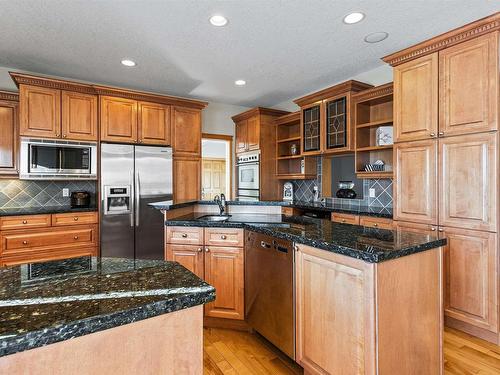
<point>282,48</point>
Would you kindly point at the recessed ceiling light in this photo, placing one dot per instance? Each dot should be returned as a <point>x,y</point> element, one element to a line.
<point>218,20</point>
<point>128,62</point>
<point>240,82</point>
<point>353,17</point>
<point>376,37</point>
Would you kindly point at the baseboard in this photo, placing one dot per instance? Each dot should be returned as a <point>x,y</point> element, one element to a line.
<point>238,325</point>
<point>472,330</point>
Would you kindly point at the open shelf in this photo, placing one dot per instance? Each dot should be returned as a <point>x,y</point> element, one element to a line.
<point>296,176</point>
<point>289,157</point>
<point>374,148</point>
<point>374,123</point>
<point>288,139</point>
<point>374,174</point>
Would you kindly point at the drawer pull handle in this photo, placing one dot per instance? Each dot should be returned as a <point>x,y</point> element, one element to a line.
<point>25,221</point>
<point>184,235</point>
<point>223,236</point>
<point>25,242</point>
<point>343,220</point>
<point>441,133</point>
<point>375,225</point>
<point>75,218</point>
<point>76,237</point>
<point>200,249</point>
<point>433,134</point>
<point>207,250</point>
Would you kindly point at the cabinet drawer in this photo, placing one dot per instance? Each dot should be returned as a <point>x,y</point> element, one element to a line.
<point>24,221</point>
<point>76,218</point>
<point>47,255</point>
<point>345,218</point>
<point>72,236</point>
<point>185,235</point>
<point>224,237</point>
<point>375,222</point>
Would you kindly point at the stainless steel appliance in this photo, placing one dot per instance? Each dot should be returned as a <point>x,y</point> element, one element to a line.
<point>57,159</point>
<point>131,178</point>
<point>269,289</point>
<point>247,166</point>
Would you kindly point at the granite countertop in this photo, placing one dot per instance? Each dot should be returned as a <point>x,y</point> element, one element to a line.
<point>369,244</point>
<point>317,206</point>
<point>44,210</point>
<point>44,303</point>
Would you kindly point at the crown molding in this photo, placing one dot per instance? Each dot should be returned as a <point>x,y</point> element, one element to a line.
<point>288,119</point>
<point>375,92</point>
<point>459,35</point>
<point>342,88</point>
<point>259,111</point>
<point>9,95</point>
<point>60,84</point>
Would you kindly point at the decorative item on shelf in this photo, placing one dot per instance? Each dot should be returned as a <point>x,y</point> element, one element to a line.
<point>346,190</point>
<point>384,136</point>
<point>294,149</point>
<point>80,199</point>
<point>378,166</point>
<point>288,191</point>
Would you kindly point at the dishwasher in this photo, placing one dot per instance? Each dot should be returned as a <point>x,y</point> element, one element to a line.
<point>269,289</point>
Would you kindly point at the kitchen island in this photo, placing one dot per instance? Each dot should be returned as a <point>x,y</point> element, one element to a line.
<point>101,315</point>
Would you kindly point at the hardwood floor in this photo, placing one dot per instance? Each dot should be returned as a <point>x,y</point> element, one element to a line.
<point>235,352</point>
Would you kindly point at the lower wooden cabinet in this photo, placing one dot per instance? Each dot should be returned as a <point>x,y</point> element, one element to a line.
<point>217,256</point>
<point>345,218</point>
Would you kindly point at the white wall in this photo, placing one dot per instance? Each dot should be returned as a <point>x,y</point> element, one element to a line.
<point>216,118</point>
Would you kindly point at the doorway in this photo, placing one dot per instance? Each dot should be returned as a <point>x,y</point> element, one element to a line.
<point>216,166</point>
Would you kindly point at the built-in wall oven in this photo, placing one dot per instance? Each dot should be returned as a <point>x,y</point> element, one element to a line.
<point>248,170</point>
<point>57,159</point>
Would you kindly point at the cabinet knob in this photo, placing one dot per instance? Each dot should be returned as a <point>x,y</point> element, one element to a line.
<point>184,235</point>
<point>375,225</point>
<point>76,237</point>
<point>441,229</point>
<point>441,133</point>
<point>433,134</point>
<point>343,220</point>
<point>207,250</point>
<point>200,249</point>
<point>433,229</point>
<point>140,140</point>
<point>223,236</point>
<point>75,218</point>
<point>64,135</point>
<point>25,242</point>
<point>25,221</point>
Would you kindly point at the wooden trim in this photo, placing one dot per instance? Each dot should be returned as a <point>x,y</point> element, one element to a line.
<point>259,111</point>
<point>224,137</point>
<point>9,95</point>
<point>458,35</point>
<point>289,118</point>
<point>228,138</point>
<point>89,88</point>
<point>351,85</point>
<point>373,93</point>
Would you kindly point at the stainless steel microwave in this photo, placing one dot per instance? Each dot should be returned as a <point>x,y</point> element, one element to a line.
<point>57,159</point>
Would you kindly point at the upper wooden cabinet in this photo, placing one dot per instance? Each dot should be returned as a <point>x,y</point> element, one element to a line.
<point>415,183</point>
<point>468,181</point>
<point>468,86</point>
<point>186,124</point>
<point>154,123</point>
<point>186,179</point>
<point>241,132</point>
<point>8,132</point>
<point>253,133</point>
<point>40,111</point>
<point>79,116</point>
<point>416,99</point>
<point>118,119</point>
<point>327,119</point>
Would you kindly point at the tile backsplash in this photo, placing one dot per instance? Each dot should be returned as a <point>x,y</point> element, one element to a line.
<point>39,193</point>
<point>303,191</point>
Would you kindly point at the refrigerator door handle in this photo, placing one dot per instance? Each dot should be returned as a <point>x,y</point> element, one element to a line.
<point>132,205</point>
<point>137,197</point>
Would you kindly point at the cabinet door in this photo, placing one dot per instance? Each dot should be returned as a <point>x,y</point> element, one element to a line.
<point>241,136</point>
<point>311,129</point>
<point>416,99</point>
<point>189,256</point>
<point>469,86</point>
<point>334,300</point>
<point>468,181</point>
<point>345,218</point>
<point>224,271</point>
<point>403,226</point>
<point>415,182</point>
<point>186,179</point>
<point>186,124</point>
<point>154,124</point>
<point>337,124</point>
<point>79,116</point>
<point>118,119</point>
<point>470,274</point>
<point>253,133</point>
<point>39,111</point>
<point>8,137</point>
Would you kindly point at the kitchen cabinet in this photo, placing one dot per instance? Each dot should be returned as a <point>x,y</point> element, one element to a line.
<point>468,86</point>
<point>186,179</point>
<point>79,116</point>
<point>186,124</point>
<point>39,111</point>
<point>349,305</point>
<point>468,181</point>
<point>416,99</point>
<point>118,119</point>
<point>405,226</point>
<point>154,124</point>
<point>253,133</point>
<point>470,277</point>
<point>8,133</point>
<point>376,222</point>
<point>345,218</point>
<point>311,129</point>
<point>241,134</point>
<point>415,182</point>
<point>217,256</point>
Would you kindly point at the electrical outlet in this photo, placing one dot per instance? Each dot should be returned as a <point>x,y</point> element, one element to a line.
<point>65,192</point>
<point>371,193</point>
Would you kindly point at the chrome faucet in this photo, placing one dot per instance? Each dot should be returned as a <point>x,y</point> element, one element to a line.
<point>221,201</point>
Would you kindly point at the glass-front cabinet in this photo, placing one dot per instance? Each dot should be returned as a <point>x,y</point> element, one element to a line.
<point>336,123</point>
<point>311,119</point>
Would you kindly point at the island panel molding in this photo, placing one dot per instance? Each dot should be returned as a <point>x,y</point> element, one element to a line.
<point>451,38</point>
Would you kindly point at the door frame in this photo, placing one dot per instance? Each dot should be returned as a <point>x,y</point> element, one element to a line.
<point>227,138</point>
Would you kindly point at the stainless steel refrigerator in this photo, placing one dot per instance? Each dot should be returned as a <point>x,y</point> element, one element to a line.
<point>132,177</point>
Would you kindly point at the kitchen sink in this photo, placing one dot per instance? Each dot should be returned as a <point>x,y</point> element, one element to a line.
<point>214,218</point>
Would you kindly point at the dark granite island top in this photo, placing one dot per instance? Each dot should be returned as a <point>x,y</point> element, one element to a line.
<point>369,244</point>
<point>44,303</point>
